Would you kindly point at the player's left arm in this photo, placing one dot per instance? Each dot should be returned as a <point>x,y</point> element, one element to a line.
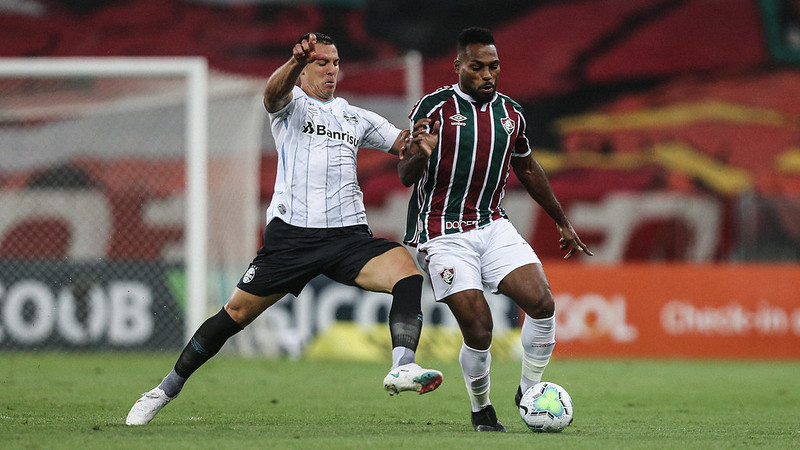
<point>532,176</point>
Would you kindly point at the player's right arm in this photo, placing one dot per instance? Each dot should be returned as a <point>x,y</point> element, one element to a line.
<point>278,92</point>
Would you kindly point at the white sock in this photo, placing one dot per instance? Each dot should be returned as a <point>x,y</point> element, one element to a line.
<point>475,367</point>
<point>402,356</point>
<point>538,339</point>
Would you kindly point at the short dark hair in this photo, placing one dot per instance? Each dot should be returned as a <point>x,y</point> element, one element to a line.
<point>322,38</point>
<point>474,35</point>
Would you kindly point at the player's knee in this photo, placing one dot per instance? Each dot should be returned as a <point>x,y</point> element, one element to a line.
<point>237,313</point>
<point>244,307</point>
<point>478,338</point>
<point>404,265</point>
<point>477,332</point>
<point>542,306</point>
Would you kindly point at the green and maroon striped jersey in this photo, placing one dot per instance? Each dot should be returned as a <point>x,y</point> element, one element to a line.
<point>466,176</point>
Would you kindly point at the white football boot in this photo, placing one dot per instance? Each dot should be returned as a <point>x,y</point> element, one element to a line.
<point>412,377</point>
<point>147,407</point>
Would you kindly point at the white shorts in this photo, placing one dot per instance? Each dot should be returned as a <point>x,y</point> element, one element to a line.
<point>474,258</point>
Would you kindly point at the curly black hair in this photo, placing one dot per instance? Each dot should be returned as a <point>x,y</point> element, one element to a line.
<point>474,35</point>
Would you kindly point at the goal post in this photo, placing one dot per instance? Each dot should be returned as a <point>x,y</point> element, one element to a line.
<point>125,121</point>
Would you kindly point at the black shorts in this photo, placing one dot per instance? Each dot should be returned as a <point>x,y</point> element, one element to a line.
<point>292,256</point>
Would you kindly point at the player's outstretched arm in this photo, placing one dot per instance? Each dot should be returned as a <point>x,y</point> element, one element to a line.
<point>278,92</point>
<point>399,146</point>
<point>532,176</point>
<point>415,154</point>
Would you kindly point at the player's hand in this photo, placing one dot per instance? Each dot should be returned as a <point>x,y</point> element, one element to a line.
<point>571,242</point>
<point>305,52</point>
<point>421,139</point>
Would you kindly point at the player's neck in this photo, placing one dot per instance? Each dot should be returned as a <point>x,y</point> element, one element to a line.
<point>324,97</point>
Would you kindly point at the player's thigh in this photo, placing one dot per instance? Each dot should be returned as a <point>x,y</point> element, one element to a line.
<point>452,264</point>
<point>528,287</point>
<point>504,251</point>
<point>382,272</point>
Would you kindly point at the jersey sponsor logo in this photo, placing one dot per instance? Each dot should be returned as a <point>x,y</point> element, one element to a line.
<point>322,130</point>
<point>350,117</point>
<point>508,124</point>
<point>458,120</point>
<point>458,224</point>
<point>448,275</point>
<point>249,275</point>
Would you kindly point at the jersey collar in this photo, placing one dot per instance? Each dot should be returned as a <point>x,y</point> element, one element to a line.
<point>324,102</point>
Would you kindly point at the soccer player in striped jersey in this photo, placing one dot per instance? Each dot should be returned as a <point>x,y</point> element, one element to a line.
<point>316,224</point>
<point>459,164</point>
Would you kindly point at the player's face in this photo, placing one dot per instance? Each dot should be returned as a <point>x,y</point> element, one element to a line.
<point>477,68</point>
<point>318,78</point>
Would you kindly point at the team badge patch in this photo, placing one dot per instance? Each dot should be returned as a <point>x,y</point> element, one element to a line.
<point>448,274</point>
<point>249,275</point>
<point>508,124</point>
<point>458,120</point>
<point>350,117</point>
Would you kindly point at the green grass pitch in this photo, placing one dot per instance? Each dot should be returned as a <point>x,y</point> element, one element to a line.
<point>80,400</point>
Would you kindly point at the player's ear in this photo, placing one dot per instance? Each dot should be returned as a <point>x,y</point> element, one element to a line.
<point>456,65</point>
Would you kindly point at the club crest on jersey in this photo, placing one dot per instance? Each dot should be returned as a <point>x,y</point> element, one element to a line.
<point>448,274</point>
<point>350,117</point>
<point>458,120</point>
<point>508,124</point>
<point>249,275</point>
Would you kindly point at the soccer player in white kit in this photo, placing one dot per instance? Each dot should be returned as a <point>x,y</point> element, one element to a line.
<point>316,224</point>
<point>474,137</point>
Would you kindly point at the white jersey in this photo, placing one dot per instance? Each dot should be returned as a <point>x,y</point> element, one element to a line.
<point>316,184</point>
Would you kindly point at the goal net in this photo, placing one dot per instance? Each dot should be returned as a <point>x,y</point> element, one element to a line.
<point>128,199</point>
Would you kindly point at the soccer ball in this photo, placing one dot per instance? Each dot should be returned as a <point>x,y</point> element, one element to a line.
<point>546,407</point>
